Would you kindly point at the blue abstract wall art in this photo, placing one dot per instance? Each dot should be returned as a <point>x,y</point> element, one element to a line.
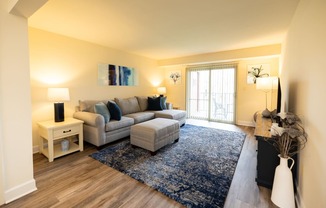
<point>114,75</point>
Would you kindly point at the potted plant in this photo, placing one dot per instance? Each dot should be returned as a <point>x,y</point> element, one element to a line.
<point>289,137</point>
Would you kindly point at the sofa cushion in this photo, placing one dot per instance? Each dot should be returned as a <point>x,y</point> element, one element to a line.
<point>101,108</point>
<point>88,105</point>
<point>114,110</point>
<point>114,124</point>
<point>141,116</point>
<point>143,102</point>
<point>128,105</point>
<point>171,114</point>
<point>154,103</point>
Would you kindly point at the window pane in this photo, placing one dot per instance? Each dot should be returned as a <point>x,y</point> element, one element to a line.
<point>222,95</point>
<point>199,94</point>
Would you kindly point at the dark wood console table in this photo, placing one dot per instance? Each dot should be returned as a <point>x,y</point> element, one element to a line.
<point>267,155</point>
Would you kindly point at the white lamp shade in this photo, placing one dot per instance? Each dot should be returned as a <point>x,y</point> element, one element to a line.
<point>58,94</point>
<point>274,82</point>
<point>161,90</point>
<point>266,83</point>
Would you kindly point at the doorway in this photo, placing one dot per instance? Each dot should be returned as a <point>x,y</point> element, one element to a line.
<point>211,92</point>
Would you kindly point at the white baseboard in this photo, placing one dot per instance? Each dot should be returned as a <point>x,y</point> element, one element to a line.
<point>20,190</point>
<point>36,149</point>
<point>246,123</point>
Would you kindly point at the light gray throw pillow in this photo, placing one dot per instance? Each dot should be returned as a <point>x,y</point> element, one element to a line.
<point>101,108</point>
<point>143,103</point>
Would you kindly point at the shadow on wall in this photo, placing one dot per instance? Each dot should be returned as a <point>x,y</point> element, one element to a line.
<point>296,105</point>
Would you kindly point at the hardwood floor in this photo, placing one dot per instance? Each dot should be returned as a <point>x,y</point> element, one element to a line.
<point>77,180</point>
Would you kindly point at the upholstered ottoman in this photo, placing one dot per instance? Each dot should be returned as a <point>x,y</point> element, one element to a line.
<point>154,134</point>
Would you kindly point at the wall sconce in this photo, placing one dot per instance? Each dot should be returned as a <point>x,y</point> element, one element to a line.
<point>175,76</point>
<point>161,91</point>
<point>58,95</point>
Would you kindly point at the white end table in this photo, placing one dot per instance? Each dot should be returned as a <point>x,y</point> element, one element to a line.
<point>52,131</point>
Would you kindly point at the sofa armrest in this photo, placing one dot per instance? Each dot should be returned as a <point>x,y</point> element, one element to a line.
<point>91,119</point>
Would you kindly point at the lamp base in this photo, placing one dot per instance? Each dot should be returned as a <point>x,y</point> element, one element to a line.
<point>59,112</point>
<point>266,113</point>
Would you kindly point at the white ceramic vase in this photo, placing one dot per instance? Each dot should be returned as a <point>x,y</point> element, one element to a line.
<point>65,145</point>
<point>282,192</point>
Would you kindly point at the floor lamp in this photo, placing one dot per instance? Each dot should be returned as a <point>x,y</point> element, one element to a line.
<point>58,95</point>
<point>265,84</point>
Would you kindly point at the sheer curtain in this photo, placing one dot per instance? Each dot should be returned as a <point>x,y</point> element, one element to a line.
<point>211,91</point>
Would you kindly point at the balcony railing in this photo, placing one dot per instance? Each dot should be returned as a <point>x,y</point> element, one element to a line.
<point>220,107</point>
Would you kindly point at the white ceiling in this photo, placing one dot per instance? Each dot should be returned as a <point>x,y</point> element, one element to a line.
<point>162,29</point>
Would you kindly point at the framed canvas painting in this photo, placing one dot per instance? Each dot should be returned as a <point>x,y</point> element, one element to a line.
<point>115,75</point>
<point>257,70</point>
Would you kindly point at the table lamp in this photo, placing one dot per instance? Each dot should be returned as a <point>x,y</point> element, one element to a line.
<point>58,95</point>
<point>266,84</point>
<point>161,91</point>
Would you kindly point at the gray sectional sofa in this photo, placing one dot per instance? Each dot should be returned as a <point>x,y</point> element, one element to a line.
<point>134,110</point>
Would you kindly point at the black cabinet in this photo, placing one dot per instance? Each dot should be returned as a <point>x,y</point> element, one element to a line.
<point>267,160</point>
<point>267,155</point>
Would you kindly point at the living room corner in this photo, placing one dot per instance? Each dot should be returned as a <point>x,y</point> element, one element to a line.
<point>76,68</point>
<point>34,59</point>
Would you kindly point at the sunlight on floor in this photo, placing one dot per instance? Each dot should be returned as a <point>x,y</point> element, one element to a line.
<point>230,127</point>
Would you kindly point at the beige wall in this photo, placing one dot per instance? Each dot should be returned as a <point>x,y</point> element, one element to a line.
<point>303,71</point>
<point>249,100</point>
<point>176,94</point>
<point>230,55</point>
<point>59,61</point>
<point>16,164</point>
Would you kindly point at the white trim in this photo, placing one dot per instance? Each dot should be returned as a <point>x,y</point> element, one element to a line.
<point>36,149</point>
<point>20,190</point>
<point>246,123</point>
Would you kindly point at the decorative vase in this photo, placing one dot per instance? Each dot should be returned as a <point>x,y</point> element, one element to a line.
<point>266,113</point>
<point>65,145</point>
<point>282,192</point>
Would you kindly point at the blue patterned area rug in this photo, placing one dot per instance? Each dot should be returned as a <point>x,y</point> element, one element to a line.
<point>196,171</point>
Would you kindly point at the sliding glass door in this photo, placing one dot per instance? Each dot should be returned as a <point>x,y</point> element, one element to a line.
<point>211,92</point>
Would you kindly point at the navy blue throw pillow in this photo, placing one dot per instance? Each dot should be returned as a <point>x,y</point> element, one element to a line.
<point>154,103</point>
<point>114,110</point>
